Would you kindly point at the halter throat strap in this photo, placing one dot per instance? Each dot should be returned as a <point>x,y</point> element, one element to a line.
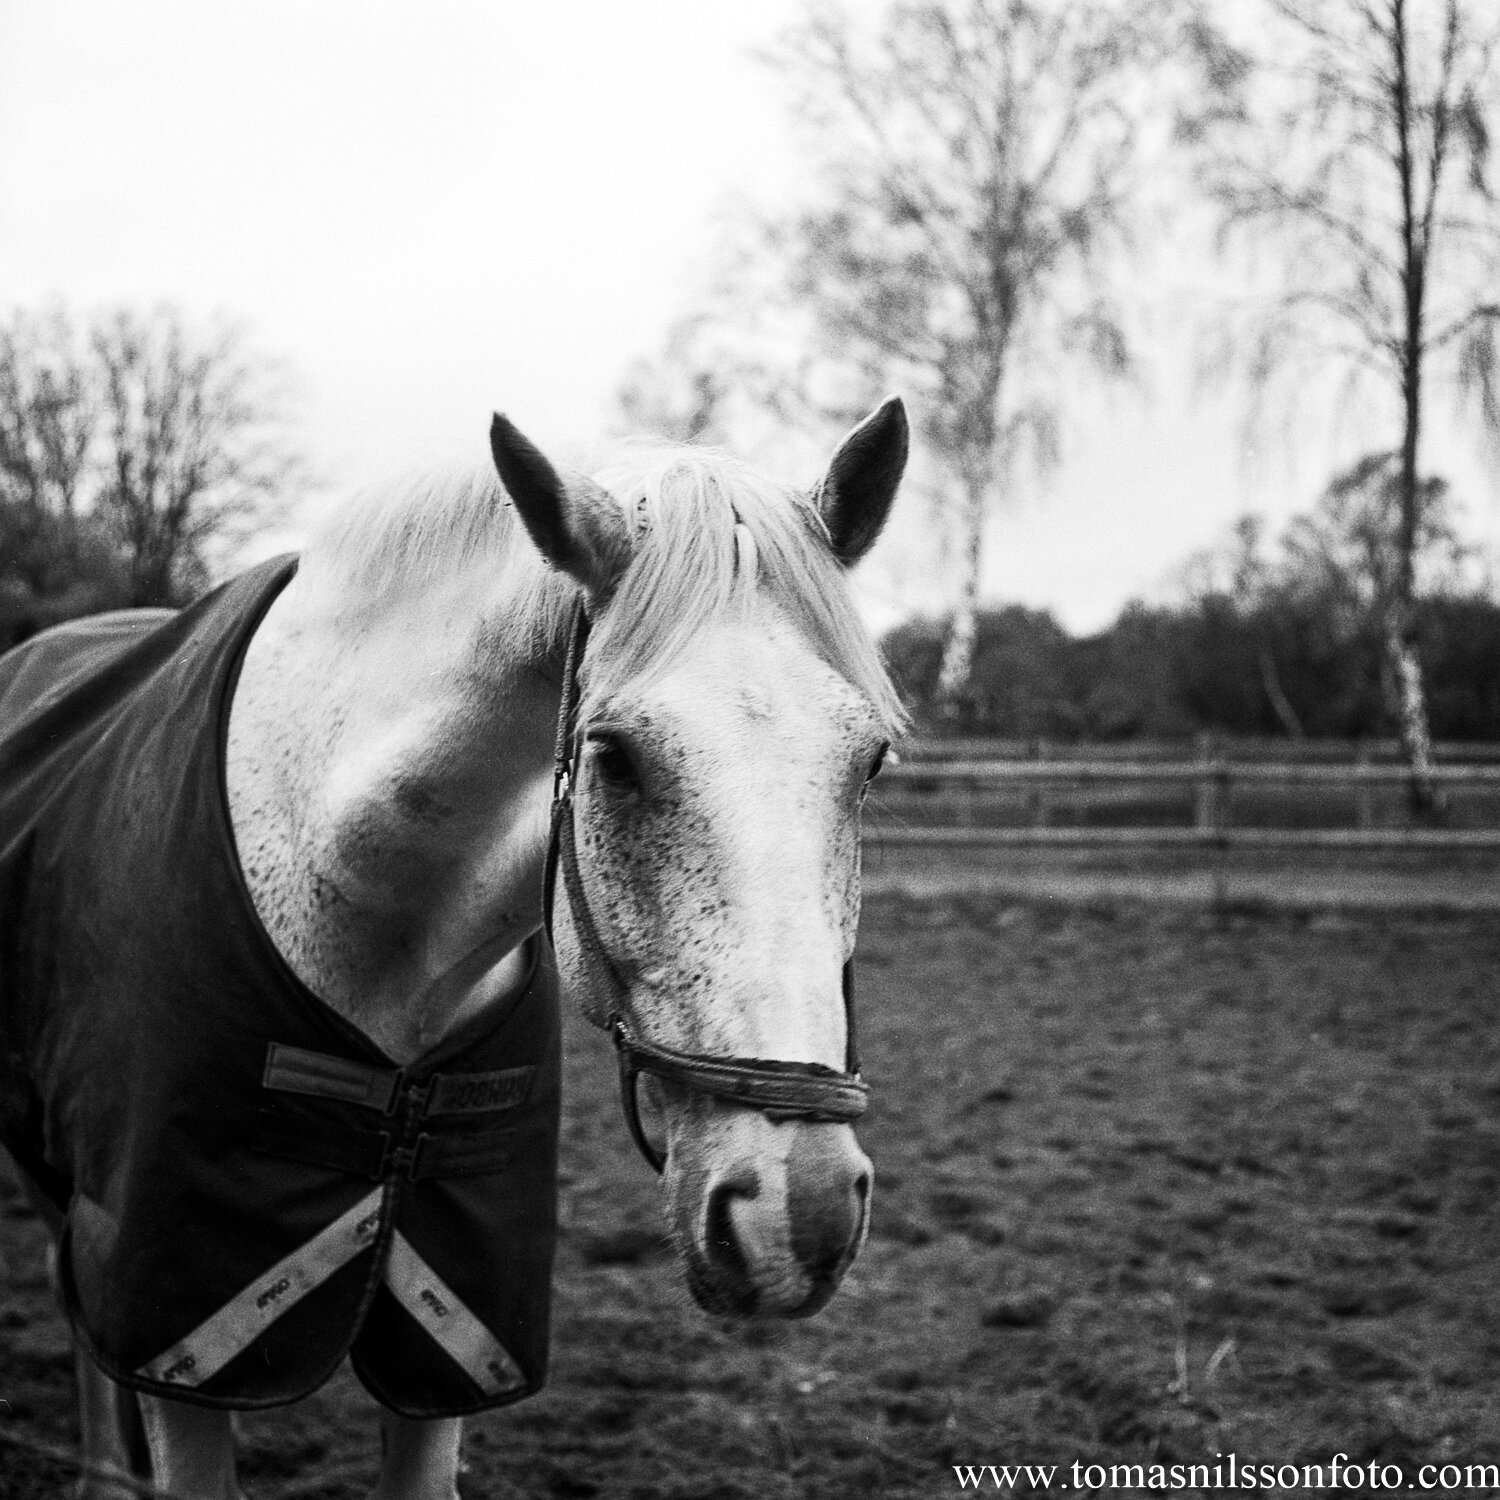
<point>780,1089</point>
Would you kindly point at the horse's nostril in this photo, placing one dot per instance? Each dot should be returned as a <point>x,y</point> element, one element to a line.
<point>719,1239</point>
<point>862,1186</point>
<point>862,1192</point>
<point>830,1205</point>
<point>824,1254</point>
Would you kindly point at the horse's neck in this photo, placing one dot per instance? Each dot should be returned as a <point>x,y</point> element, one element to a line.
<point>388,790</point>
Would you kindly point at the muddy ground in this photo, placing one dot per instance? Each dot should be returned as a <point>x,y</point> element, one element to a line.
<point>1152,1185</point>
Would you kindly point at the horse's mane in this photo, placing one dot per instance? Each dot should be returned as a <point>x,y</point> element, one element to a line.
<point>706,529</point>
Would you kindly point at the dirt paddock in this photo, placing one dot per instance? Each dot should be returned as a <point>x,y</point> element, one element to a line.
<point>1153,1185</point>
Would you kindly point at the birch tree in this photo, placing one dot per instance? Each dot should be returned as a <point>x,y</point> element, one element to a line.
<point>978,173</point>
<point>1357,156</point>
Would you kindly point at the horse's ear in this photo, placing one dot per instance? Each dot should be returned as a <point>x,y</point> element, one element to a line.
<point>856,494</point>
<point>576,525</point>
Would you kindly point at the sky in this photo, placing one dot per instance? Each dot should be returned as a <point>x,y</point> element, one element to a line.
<point>429,212</point>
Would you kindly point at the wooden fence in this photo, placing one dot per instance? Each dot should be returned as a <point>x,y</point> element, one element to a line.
<point>1219,794</point>
<point>1236,748</point>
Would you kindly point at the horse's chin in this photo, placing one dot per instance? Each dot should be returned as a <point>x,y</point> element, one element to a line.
<point>767,1218</point>
<point>742,1300</point>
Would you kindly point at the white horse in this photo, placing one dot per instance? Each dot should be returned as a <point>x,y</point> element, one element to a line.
<point>388,759</point>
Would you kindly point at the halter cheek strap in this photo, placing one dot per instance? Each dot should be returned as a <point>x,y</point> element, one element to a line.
<point>780,1089</point>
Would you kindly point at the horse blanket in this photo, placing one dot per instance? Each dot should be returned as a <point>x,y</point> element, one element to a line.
<point>251,1188</point>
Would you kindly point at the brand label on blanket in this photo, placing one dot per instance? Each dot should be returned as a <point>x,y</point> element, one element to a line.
<point>434,1304</point>
<point>242,1320</point>
<point>414,1284</point>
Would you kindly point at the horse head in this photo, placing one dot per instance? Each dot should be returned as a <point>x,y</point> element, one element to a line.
<point>722,720</point>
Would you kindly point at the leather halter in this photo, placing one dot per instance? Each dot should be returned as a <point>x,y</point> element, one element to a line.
<point>780,1090</point>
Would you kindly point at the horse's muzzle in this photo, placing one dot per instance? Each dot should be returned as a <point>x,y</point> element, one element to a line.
<point>770,1232</point>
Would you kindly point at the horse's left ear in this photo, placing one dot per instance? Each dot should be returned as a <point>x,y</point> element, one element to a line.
<point>576,525</point>
<point>856,494</point>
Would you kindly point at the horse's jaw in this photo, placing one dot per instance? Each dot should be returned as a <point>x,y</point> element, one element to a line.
<point>767,1217</point>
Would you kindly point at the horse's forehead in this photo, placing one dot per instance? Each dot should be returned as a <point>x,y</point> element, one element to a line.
<point>757,678</point>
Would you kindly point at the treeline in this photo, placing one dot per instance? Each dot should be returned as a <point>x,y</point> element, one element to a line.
<point>134,450</point>
<point>1165,672</point>
<point>1284,639</point>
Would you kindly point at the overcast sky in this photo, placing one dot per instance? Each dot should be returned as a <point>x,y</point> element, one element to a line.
<point>432,211</point>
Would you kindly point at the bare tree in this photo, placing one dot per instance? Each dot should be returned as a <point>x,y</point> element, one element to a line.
<point>1323,590</point>
<point>979,167</point>
<point>47,415</point>
<point>1358,154</point>
<point>189,453</point>
<point>130,451</point>
<point>1350,547</point>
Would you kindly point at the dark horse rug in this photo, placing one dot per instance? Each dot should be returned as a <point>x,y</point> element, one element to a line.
<point>252,1190</point>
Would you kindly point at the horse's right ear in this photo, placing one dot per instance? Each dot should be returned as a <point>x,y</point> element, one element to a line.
<point>576,525</point>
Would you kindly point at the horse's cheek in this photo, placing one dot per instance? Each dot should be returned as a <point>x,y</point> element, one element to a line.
<point>654,865</point>
<point>621,855</point>
<point>842,891</point>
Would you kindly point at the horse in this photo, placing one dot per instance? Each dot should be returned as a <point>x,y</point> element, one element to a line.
<point>290,881</point>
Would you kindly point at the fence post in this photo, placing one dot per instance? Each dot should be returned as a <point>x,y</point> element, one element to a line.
<point>1041,810</point>
<point>1363,808</point>
<point>1206,810</point>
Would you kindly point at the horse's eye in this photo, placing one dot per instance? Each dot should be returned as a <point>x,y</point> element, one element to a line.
<point>877,763</point>
<point>613,761</point>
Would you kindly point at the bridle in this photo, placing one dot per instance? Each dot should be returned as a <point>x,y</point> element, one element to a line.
<point>780,1090</point>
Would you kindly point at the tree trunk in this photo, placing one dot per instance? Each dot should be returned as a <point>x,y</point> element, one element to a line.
<point>1407,692</point>
<point>1410,705</point>
<point>1410,701</point>
<point>1281,705</point>
<point>958,652</point>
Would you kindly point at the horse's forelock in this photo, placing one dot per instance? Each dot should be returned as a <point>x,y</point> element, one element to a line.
<point>710,533</point>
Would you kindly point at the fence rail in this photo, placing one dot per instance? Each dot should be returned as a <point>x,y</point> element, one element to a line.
<point>1215,800</point>
<point>1238,748</point>
<point>1002,773</point>
<point>1349,839</point>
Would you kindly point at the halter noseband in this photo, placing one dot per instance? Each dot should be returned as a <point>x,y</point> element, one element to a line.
<point>780,1090</point>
